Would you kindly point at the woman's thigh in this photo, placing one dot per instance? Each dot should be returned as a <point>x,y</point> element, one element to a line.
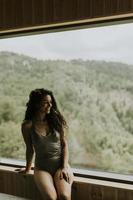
<point>45,184</point>
<point>62,186</point>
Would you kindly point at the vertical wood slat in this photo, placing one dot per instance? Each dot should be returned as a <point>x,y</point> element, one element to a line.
<point>109,8</point>
<point>38,11</point>
<point>109,193</point>
<point>27,13</point>
<point>65,10</point>
<point>20,185</point>
<point>8,13</point>
<point>84,9</point>
<point>11,13</point>
<point>97,8</point>
<point>18,12</point>
<point>1,14</point>
<point>48,11</point>
<point>1,182</point>
<point>125,6</point>
<point>82,191</point>
<point>96,192</point>
<point>122,195</point>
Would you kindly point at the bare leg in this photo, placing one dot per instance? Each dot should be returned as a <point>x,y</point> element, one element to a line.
<point>45,184</point>
<point>63,188</point>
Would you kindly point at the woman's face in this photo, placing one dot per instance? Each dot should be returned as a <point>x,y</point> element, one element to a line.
<point>45,104</point>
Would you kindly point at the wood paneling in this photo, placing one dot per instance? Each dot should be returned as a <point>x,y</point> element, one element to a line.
<point>48,11</point>
<point>83,189</point>
<point>27,12</point>
<point>1,14</point>
<point>65,10</point>
<point>18,185</point>
<point>20,14</point>
<point>84,9</point>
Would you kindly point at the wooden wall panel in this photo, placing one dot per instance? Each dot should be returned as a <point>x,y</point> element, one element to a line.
<point>37,12</point>
<point>10,14</point>
<point>22,13</point>
<point>18,13</point>
<point>8,11</point>
<point>65,10</point>
<point>97,8</point>
<point>26,10</point>
<point>1,14</point>
<point>109,193</point>
<point>43,11</point>
<point>84,9</point>
<point>110,7</point>
<point>125,6</point>
<point>17,184</point>
<point>48,11</point>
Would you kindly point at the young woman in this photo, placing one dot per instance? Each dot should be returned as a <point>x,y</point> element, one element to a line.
<point>43,131</point>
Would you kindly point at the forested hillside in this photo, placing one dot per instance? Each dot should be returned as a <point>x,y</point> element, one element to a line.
<point>96,98</point>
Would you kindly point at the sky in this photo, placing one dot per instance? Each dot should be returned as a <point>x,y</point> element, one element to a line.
<point>109,43</point>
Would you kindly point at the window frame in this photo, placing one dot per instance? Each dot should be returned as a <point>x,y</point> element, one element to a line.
<point>66,26</point>
<point>89,173</point>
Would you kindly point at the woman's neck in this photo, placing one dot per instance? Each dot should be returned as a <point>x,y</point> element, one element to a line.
<point>40,118</point>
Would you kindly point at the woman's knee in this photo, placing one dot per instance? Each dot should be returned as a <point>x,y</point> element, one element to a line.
<point>51,197</point>
<point>64,196</point>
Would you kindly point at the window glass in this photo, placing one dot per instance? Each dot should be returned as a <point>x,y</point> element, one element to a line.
<point>90,72</point>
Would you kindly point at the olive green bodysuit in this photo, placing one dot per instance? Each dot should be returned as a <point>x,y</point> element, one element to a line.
<point>47,151</point>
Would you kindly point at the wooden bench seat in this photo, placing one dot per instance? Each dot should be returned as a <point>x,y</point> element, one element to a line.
<point>13,183</point>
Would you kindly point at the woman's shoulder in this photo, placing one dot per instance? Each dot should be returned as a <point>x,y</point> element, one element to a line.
<point>26,125</point>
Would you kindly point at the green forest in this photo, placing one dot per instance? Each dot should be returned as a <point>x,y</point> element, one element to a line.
<point>95,97</point>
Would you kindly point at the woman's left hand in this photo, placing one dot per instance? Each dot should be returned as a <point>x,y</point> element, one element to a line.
<point>65,174</point>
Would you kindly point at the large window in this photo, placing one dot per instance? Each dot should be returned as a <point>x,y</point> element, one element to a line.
<point>90,72</point>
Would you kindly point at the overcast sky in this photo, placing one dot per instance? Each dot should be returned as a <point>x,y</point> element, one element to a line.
<point>109,43</point>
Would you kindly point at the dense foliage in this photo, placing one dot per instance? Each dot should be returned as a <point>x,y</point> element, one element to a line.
<point>96,97</point>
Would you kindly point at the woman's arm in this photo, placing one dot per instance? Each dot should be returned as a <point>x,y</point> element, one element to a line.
<point>65,153</point>
<point>26,130</point>
<point>65,172</point>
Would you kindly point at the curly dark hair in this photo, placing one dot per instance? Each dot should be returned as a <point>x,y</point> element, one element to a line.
<point>55,119</point>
